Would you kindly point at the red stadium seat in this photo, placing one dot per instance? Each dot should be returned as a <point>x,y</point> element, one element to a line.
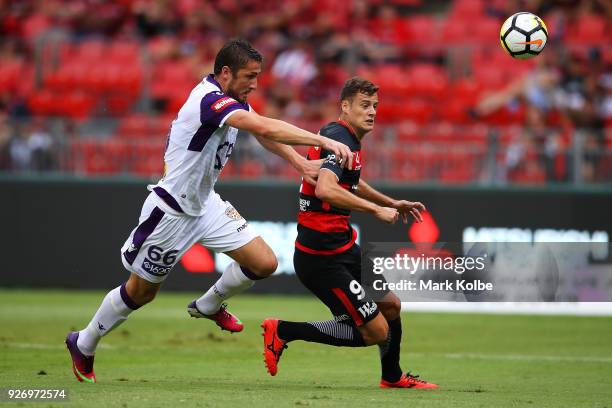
<point>134,126</point>
<point>588,30</point>
<point>455,111</point>
<point>10,75</point>
<point>465,90</point>
<point>416,110</point>
<point>92,51</point>
<point>467,9</point>
<point>427,80</point>
<point>77,104</point>
<point>42,103</point>
<point>423,36</point>
<point>147,159</point>
<point>119,105</point>
<point>456,32</point>
<point>486,32</point>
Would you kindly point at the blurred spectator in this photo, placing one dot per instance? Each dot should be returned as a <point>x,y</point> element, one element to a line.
<point>31,149</point>
<point>295,67</point>
<point>156,17</point>
<point>5,137</point>
<point>532,155</point>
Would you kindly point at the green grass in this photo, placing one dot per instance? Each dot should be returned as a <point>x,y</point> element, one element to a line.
<point>162,358</point>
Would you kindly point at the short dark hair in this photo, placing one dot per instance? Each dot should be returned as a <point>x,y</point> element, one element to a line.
<point>236,54</point>
<point>357,85</point>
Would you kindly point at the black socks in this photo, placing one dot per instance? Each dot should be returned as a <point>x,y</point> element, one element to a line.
<point>329,332</point>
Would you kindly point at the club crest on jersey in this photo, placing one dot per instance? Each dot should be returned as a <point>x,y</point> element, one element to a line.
<point>232,213</point>
<point>356,160</point>
<point>222,103</point>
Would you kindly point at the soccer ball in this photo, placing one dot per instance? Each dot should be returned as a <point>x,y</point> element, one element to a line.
<point>523,35</point>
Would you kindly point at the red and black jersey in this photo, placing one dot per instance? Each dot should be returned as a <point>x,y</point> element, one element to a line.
<point>322,228</point>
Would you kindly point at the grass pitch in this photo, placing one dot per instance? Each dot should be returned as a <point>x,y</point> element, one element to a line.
<point>161,358</point>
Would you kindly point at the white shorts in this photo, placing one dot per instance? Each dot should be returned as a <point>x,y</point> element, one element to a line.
<point>161,237</point>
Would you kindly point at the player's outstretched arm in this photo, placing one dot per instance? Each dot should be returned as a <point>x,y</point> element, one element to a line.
<point>367,192</point>
<point>328,190</point>
<point>285,133</point>
<point>309,169</point>
<point>405,208</point>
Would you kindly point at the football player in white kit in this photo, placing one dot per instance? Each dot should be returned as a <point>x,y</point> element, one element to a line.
<point>183,207</point>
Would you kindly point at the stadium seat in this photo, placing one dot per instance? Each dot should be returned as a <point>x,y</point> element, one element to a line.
<point>10,73</point>
<point>590,29</point>
<point>466,9</point>
<point>423,36</point>
<point>135,125</point>
<point>427,80</point>
<point>456,32</point>
<point>171,78</point>
<point>42,103</point>
<point>119,104</point>
<point>251,169</point>
<point>77,104</point>
<point>147,159</point>
<point>416,110</point>
<point>455,111</point>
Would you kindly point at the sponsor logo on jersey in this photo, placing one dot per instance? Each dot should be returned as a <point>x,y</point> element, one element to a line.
<point>232,213</point>
<point>367,309</point>
<point>222,103</point>
<point>131,248</point>
<point>155,269</point>
<point>304,204</point>
<point>356,160</point>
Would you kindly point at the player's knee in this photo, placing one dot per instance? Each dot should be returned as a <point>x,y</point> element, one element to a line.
<point>375,332</point>
<point>265,266</point>
<point>140,291</point>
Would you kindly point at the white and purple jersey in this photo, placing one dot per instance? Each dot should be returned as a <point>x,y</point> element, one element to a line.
<point>199,145</point>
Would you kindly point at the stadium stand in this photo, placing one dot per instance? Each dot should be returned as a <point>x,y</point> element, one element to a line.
<point>103,81</point>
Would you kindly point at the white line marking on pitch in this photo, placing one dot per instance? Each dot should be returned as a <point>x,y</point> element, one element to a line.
<point>517,357</point>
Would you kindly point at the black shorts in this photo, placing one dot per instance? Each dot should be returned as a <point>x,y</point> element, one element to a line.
<point>336,280</point>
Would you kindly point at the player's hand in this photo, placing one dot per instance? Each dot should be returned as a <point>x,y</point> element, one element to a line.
<point>387,214</point>
<point>412,208</point>
<point>310,170</point>
<point>342,151</point>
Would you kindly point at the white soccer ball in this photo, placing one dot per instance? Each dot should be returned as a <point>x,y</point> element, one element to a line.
<point>523,35</point>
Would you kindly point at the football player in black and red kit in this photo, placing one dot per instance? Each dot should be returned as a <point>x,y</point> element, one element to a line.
<point>328,261</point>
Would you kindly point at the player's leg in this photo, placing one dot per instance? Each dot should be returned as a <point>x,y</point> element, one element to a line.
<point>252,258</point>
<point>390,307</point>
<point>356,323</point>
<point>392,375</point>
<point>253,261</point>
<point>149,253</point>
<point>115,308</point>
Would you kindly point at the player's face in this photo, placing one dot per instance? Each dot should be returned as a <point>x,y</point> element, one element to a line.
<point>361,111</point>
<point>244,82</point>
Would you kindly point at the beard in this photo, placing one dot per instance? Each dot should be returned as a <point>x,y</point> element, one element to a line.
<point>235,95</point>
